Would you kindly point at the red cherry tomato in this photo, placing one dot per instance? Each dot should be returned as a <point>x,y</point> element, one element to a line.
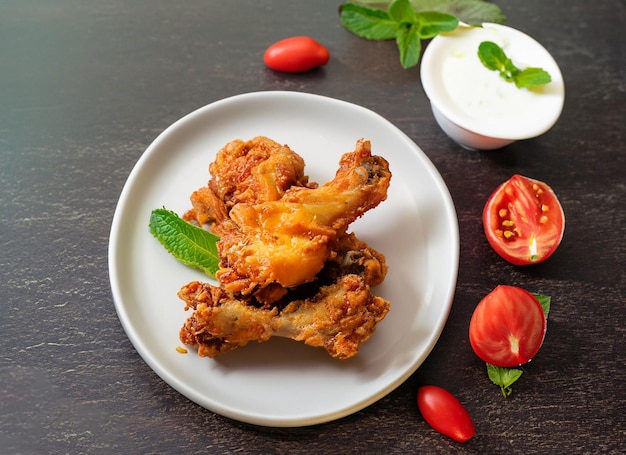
<point>523,221</point>
<point>296,55</point>
<point>445,413</point>
<point>508,327</point>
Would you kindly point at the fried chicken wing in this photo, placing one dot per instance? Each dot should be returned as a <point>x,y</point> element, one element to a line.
<point>288,241</point>
<point>253,171</point>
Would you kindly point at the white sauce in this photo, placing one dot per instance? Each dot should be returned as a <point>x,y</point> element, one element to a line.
<point>477,91</point>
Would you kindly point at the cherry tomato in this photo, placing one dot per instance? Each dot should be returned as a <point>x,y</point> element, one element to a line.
<point>523,221</point>
<point>296,55</point>
<point>445,413</point>
<point>508,327</point>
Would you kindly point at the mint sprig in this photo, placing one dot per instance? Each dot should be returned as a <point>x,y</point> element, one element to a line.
<point>400,22</point>
<point>505,377</point>
<point>494,58</point>
<point>191,245</point>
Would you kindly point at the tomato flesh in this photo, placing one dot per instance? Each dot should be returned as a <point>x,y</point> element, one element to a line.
<point>523,221</point>
<point>296,55</point>
<point>445,413</point>
<point>507,327</point>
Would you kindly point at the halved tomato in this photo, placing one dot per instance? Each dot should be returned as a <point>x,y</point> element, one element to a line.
<point>524,221</point>
<point>508,327</point>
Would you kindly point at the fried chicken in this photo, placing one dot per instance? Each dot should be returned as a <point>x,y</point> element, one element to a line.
<point>338,314</point>
<point>258,170</point>
<point>288,241</point>
<point>287,265</point>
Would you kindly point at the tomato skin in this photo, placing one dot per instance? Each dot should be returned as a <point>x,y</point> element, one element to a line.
<point>523,221</point>
<point>445,413</point>
<point>296,55</point>
<point>507,327</point>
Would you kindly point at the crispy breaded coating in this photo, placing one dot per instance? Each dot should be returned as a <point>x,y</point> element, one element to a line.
<point>287,265</point>
<point>258,170</point>
<point>338,314</point>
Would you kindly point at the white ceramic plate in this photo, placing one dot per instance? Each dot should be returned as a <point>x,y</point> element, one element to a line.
<point>284,382</point>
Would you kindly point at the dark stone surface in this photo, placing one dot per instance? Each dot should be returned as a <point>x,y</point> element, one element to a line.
<point>87,85</point>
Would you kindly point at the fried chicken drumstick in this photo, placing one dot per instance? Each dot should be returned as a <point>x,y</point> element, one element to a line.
<point>338,314</point>
<point>287,266</point>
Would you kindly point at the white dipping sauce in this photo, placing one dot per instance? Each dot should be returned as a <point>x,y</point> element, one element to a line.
<point>477,90</point>
<point>467,95</point>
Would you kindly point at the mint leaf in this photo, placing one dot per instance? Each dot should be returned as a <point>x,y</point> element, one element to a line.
<point>532,77</point>
<point>503,377</point>
<point>544,300</point>
<point>409,44</point>
<point>431,23</point>
<point>472,12</point>
<point>191,245</point>
<point>401,11</point>
<point>494,58</point>
<point>368,23</point>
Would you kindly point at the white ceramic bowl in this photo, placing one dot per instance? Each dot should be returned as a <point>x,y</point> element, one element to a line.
<point>475,106</point>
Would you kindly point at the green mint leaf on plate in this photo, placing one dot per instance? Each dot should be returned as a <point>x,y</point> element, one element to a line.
<point>544,300</point>
<point>503,377</point>
<point>494,58</point>
<point>191,245</point>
